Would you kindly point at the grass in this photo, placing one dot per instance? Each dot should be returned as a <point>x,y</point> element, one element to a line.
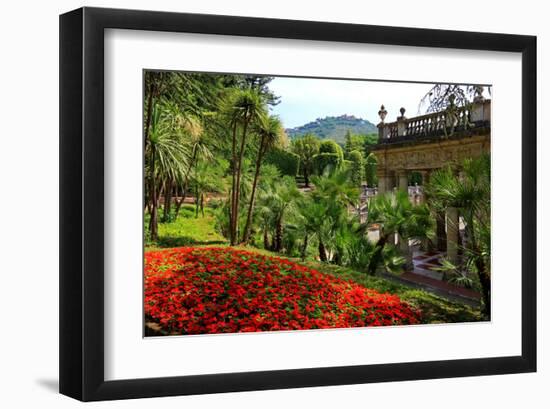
<point>190,231</point>
<point>187,230</point>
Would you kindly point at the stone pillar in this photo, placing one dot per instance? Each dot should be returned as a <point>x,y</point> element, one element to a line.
<point>382,128</point>
<point>425,178</point>
<point>440,235</point>
<point>401,123</point>
<point>403,185</point>
<point>452,234</point>
<point>383,183</point>
<point>425,244</point>
<point>406,252</point>
<point>403,181</point>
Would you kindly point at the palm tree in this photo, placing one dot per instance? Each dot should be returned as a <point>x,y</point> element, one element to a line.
<point>269,129</point>
<point>316,223</point>
<point>280,198</point>
<point>243,107</point>
<point>199,147</point>
<point>204,178</point>
<point>470,192</point>
<point>306,148</point>
<point>326,210</point>
<point>166,157</point>
<point>394,213</point>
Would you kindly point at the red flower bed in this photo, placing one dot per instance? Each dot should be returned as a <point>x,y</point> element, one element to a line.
<point>214,290</point>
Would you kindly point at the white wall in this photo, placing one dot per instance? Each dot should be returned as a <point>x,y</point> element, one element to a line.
<point>28,225</point>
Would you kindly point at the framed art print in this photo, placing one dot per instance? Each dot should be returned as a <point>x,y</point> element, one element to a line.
<point>253,204</point>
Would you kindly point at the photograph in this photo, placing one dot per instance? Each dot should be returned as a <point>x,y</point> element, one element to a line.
<point>278,203</point>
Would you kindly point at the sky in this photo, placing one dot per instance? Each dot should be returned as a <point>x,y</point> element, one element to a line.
<point>304,100</point>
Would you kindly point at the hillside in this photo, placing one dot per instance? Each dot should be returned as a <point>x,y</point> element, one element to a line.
<point>334,127</point>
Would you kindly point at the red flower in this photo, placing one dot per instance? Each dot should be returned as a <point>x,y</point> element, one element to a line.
<point>213,290</point>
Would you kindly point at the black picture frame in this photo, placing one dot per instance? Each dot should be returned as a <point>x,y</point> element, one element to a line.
<point>82,199</point>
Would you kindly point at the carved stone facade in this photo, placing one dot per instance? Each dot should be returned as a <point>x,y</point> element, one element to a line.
<point>430,142</point>
<point>428,156</point>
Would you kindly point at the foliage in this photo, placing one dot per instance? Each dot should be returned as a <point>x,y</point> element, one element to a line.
<point>356,169</point>
<point>326,163</point>
<point>333,127</point>
<point>393,213</point>
<point>220,290</point>
<point>306,147</point>
<point>469,190</point>
<point>370,141</point>
<point>287,162</point>
<point>371,163</point>
<point>187,230</point>
<point>441,96</point>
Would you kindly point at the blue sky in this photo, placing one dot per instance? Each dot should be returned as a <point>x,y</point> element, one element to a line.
<point>303,99</point>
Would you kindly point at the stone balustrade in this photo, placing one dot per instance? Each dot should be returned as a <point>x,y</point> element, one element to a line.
<point>454,121</point>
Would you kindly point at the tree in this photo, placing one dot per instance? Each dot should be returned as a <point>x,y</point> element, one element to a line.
<point>269,130</point>
<point>165,156</point>
<point>243,107</point>
<point>469,190</point>
<point>287,162</point>
<point>371,164</point>
<point>205,178</point>
<point>328,208</point>
<point>439,97</point>
<point>369,141</point>
<point>199,146</point>
<point>356,171</point>
<point>306,148</point>
<point>276,201</point>
<point>353,142</point>
<point>394,213</point>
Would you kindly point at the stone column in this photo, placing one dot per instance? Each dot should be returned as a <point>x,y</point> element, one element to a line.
<point>452,234</point>
<point>402,123</point>
<point>383,183</point>
<point>403,181</point>
<point>406,252</point>
<point>403,185</point>
<point>382,128</point>
<point>425,178</point>
<point>441,237</point>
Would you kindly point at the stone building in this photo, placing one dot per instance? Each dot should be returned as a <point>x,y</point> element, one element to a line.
<point>429,142</point>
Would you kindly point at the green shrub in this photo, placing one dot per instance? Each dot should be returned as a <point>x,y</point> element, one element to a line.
<point>324,162</point>
<point>287,162</point>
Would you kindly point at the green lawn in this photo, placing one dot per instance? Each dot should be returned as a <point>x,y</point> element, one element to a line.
<point>187,230</point>
<point>190,231</point>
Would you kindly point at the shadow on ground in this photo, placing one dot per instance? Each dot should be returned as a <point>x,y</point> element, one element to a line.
<point>51,385</point>
<point>181,241</point>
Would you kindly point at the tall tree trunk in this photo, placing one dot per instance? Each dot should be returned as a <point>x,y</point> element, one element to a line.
<point>306,177</point>
<point>167,200</point>
<point>304,248</point>
<point>322,251</point>
<point>266,239</point>
<point>197,202</point>
<point>149,111</point>
<point>483,275</point>
<point>202,204</point>
<point>153,222</point>
<point>485,281</point>
<point>238,182</point>
<point>279,235</point>
<point>247,227</point>
<point>440,231</point>
<point>232,213</point>
<point>186,183</point>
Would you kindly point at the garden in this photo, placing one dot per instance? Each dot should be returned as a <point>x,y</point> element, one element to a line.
<point>247,229</point>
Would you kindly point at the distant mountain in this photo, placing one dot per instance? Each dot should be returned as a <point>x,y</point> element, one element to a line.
<point>334,127</point>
